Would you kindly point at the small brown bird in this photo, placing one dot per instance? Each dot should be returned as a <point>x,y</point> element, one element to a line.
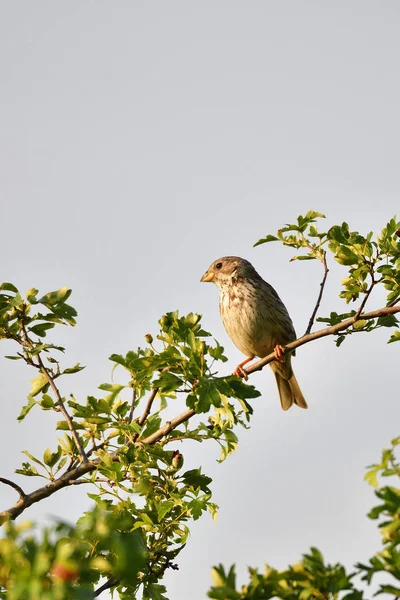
<point>256,320</point>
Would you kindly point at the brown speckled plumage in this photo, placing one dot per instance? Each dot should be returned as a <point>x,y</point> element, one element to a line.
<point>255,319</point>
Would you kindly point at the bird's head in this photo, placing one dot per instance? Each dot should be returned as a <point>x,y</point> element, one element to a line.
<point>224,270</point>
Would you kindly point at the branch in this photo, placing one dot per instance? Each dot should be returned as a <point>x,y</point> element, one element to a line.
<point>69,477</point>
<point>169,426</point>
<point>130,417</point>
<point>106,586</point>
<point>147,409</point>
<point>321,291</point>
<point>65,480</point>
<point>367,295</point>
<point>39,365</point>
<point>62,408</point>
<point>333,330</point>
<point>16,487</point>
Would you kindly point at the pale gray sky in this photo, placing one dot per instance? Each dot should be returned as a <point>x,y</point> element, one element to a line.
<point>142,140</point>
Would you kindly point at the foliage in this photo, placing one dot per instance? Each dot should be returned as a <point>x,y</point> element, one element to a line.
<point>370,262</point>
<point>122,444</point>
<point>311,577</point>
<point>139,484</point>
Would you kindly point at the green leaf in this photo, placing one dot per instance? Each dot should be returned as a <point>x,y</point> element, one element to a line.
<point>47,402</point>
<point>197,507</point>
<point>38,384</point>
<point>152,425</point>
<point>303,257</point>
<point>36,460</point>
<point>155,591</point>
<point>164,508</point>
<point>196,479</point>
<point>129,555</point>
<point>58,297</point>
<point>268,238</point>
<point>388,321</point>
<point>31,295</point>
<point>389,589</point>
<point>242,390</point>
<point>41,329</point>
<point>168,382</point>
<point>51,458</point>
<point>345,256</point>
<point>26,409</point>
<point>111,387</point>
<point>339,233</point>
<point>312,215</point>
<point>78,367</point>
<point>207,395</point>
<point>8,287</point>
<point>395,337</point>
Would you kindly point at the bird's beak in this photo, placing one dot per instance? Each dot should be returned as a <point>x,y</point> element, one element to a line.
<point>208,276</point>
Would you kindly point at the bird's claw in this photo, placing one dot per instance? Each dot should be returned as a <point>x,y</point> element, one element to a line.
<point>279,352</point>
<point>240,372</point>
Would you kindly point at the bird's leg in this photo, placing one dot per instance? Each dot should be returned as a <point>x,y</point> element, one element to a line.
<point>239,371</point>
<point>279,352</point>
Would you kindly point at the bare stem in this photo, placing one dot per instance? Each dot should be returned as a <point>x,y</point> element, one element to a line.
<point>147,409</point>
<point>333,330</point>
<point>106,586</point>
<point>321,291</point>
<point>62,408</point>
<point>40,366</point>
<point>367,295</point>
<point>169,426</point>
<point>16,487</point>
<point>130,416</point>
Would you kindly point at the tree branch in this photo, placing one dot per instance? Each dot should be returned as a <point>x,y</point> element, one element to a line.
<point>147,409</point>
<point>65,480</point>
<point>40,366</point>
<point>130,417</point>
<point>367,295</point>
<point>169,426</point>
<point>333,330</point>
<point>69,477</point>
<point>113,581</point>
<point>321,291</point>
<point>62,408</point>
<point>16,487</point>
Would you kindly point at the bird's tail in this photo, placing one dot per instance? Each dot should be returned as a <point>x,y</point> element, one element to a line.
<point>289,391</point>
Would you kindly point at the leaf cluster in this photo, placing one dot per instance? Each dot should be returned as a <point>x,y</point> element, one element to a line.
<point>311,578</point>
<point>138,486</point>
<point>370,261</point>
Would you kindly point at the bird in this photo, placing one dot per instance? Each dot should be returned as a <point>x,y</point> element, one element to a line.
<point>257,322</point>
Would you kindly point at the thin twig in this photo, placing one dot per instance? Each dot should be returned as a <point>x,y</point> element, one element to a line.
<point>321,291</point>
<point>69,477</point>
<point>16,487</point>
<point>169,426</point>
<point>367,295</point>
<point>333,330</point>
<point>130,416</point>
<point>40,366</point>
<point>62,408</point>
<point>106,586</point>
<point>147,409</point>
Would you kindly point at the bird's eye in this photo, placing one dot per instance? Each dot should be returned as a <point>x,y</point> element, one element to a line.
<point>218,265</point>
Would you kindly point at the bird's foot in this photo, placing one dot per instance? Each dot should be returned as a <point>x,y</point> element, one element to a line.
<point>279,352</point>
<point>239,371</point>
